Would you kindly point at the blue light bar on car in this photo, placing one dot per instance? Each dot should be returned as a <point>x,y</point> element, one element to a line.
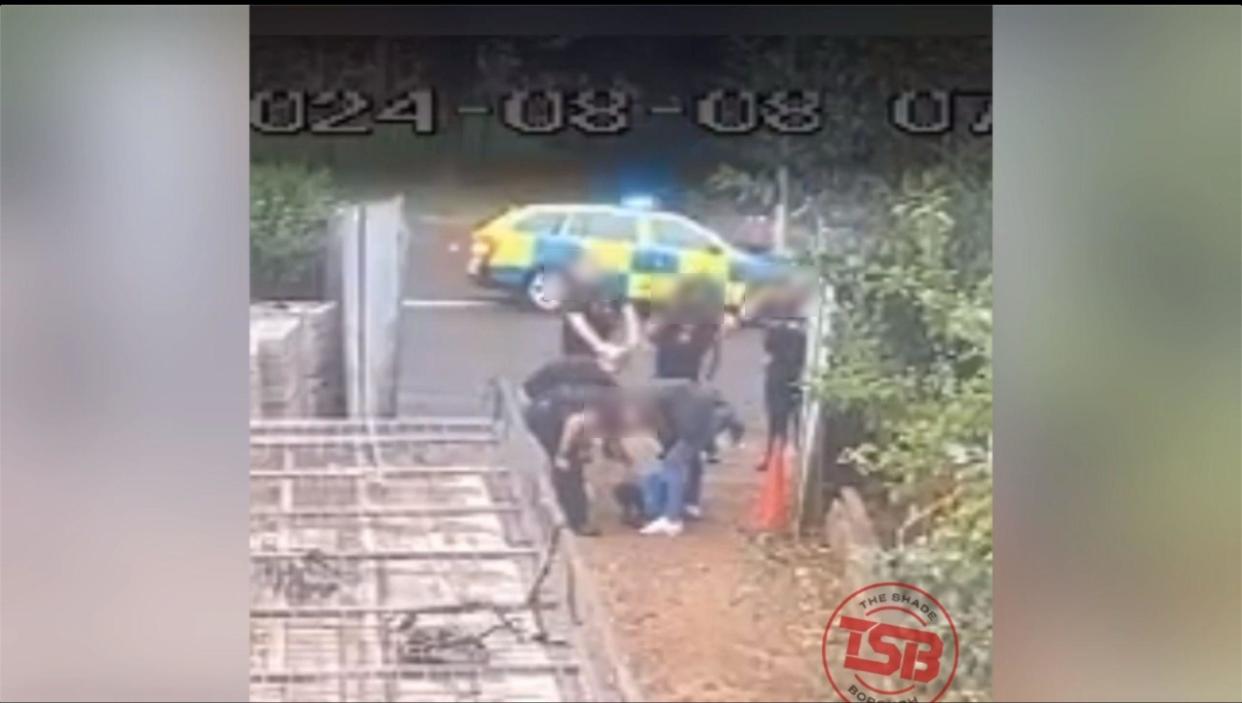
<point>639,202</point>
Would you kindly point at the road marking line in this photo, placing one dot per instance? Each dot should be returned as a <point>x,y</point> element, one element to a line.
<point>430,219</point>
<point>449,304</point>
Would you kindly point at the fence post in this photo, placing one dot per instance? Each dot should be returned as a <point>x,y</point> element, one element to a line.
<point>372,240</point>
<point>809,468</point>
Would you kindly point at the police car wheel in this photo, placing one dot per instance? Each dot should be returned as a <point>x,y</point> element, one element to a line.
<point>546,290</point>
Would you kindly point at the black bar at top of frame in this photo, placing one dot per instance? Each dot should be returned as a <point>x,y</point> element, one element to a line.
<point>620,20</point>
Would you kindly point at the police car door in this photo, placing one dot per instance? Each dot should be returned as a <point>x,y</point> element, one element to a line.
<point>609,238</point>
<point>698,254</point>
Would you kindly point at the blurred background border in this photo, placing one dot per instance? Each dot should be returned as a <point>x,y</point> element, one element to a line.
<point>1117,251</point>
<point>124,280</point>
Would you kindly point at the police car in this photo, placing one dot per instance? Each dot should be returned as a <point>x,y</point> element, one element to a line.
<point>644,253</point>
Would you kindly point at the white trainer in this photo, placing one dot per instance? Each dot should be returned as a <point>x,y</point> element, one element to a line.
<point>662,526</point>
<point>693,511</point>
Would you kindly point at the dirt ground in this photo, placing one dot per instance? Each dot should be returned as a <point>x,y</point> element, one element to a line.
<point>719,613</point>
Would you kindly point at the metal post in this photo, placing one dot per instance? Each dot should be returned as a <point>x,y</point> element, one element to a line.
<point>819,321</point>
<point>780,225</point>
<point>364,366</point>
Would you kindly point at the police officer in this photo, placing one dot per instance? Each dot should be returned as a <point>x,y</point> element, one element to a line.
<point>782,316</point>
<point>569,404</point>
<point>687,337</point>
<point>593,312</point>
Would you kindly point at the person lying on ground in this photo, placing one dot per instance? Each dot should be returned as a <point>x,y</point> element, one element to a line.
<point>651,502</point>
<point>651,498</point>
<point>641,456</point>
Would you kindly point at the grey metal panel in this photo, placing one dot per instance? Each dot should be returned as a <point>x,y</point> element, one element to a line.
<point>379,573</point>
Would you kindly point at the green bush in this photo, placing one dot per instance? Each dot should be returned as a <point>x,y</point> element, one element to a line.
<point>911,353</point>
<point>289,207</point>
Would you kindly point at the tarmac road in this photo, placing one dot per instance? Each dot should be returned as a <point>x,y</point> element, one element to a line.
<point>456,336</point>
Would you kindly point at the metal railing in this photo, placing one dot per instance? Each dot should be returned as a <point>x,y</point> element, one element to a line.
<point>490,443</point>
<point>563,568</point>
<point>322,569</point>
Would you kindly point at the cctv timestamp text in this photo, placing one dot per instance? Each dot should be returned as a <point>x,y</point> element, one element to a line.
<point>534,112</point>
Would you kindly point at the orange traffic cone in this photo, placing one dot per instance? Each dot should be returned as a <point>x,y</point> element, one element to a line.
<point>772,510</point>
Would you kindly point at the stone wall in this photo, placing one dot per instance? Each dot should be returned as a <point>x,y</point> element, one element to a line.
<point>295,359</point>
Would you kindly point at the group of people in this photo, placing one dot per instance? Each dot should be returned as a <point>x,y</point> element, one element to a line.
<point>666,428</point>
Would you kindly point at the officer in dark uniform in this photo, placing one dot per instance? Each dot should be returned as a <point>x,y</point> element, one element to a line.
<point>594,310</point>
<point>688,337</point>
<point>687,418</point>
<point>570,401</point>
<point>783,320</point>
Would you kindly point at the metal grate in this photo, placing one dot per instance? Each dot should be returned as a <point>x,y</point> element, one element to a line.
<point>400,560</point>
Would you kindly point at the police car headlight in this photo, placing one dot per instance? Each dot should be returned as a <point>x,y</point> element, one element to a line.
<point>481,247</point>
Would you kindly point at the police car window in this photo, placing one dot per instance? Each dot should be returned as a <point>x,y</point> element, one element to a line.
<point>674,233</point>
<point>603,225</point>
<point>540,223</point>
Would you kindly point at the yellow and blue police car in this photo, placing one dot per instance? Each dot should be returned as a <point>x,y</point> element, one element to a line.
<point>645,253</point>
